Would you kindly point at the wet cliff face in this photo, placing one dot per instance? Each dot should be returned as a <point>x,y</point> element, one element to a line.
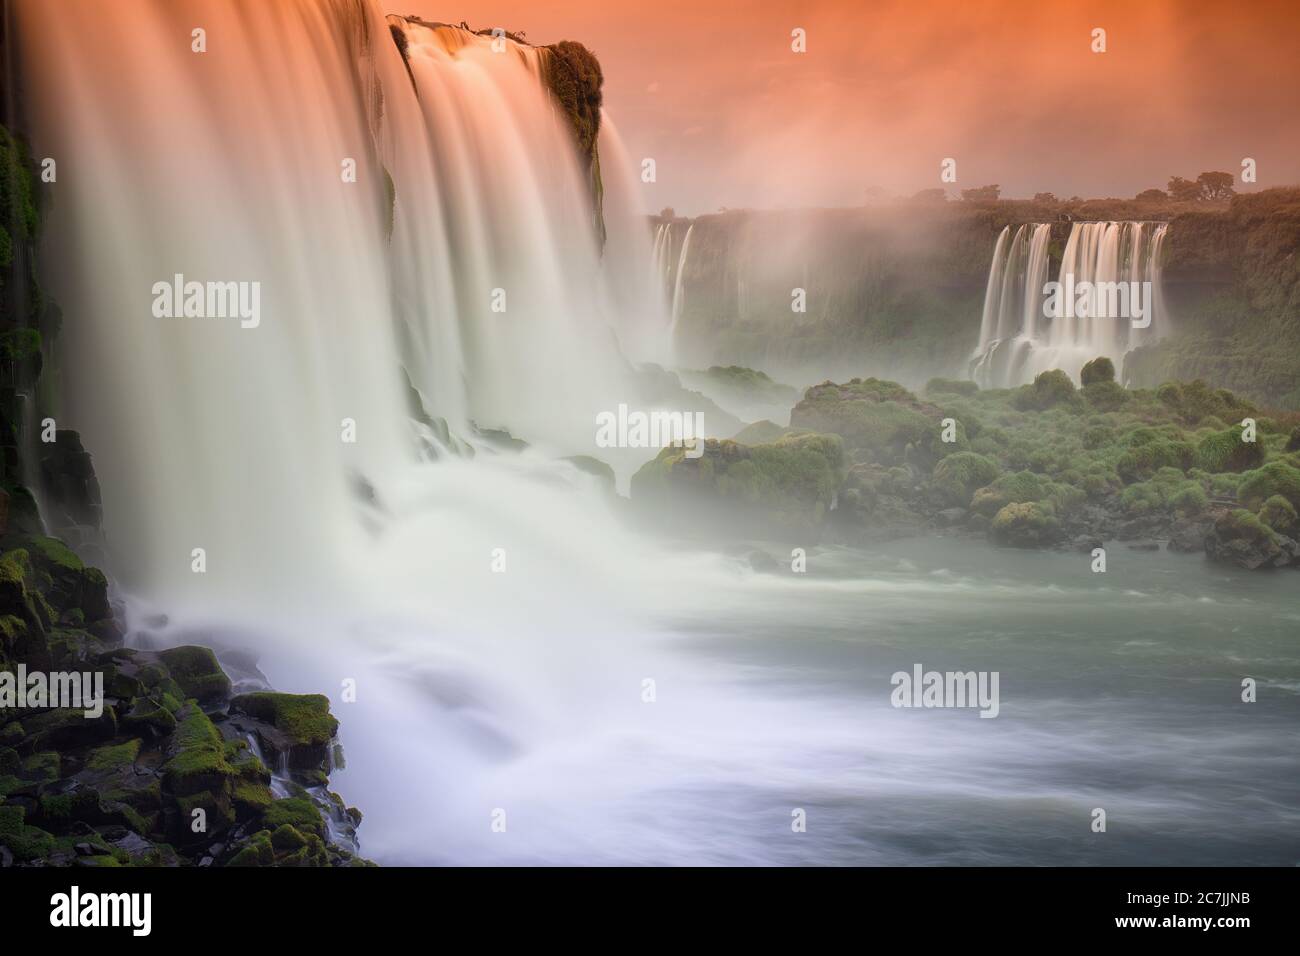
<point>898,289</point>
<point>879,288</point>
<point>1232,282</point>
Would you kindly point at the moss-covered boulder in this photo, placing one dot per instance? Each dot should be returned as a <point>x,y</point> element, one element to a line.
<point>1242,539</point>
<point>197,672</point>
<point>296,728</point>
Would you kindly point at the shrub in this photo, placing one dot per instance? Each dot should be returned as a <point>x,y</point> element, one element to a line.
<point>950,386</point>
<point>1275,478</point>
<point>1105,396</point>
<point>1098,370</point>
<point>1189,500</point>
<point>1280,515</point>
<point>957,476</point>
<point>1027,524</point>
<point>1049,388</point>
<point>1225,451</point>
<point>1149,456</point>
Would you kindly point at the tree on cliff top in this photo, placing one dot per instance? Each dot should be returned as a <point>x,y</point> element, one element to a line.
<point>1216,185</point>
<point>982,194</point>
<point>1184,190</point>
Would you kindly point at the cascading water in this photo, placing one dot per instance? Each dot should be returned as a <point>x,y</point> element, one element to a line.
<point>1018,341</point>
<point>495,616</point>
<point>677,286</point>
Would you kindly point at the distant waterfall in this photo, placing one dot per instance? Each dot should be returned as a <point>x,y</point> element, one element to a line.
<point>677,285</point>
<point>1102,264</point>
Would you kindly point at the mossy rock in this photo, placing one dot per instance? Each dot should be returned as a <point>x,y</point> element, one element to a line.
<point>68,728</point>
<point>42,766</point>
<point>1029,524</point>
<point>151,715</point>
<point>305,718</point>
<point>257,852</point>
<point>196,671</point>
<point>25,842</point>
<point>1241,538</point>
<point>251,799</point>
<point>114,757</point>
<point>298,812</point>
<point>286,838</point>
<point>197,756</point>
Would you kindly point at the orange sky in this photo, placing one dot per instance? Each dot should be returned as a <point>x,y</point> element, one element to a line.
<point>888,88</point>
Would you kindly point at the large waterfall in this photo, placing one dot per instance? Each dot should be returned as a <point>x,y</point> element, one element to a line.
<point>418,215</point>
<point>278,484</point>
<point>1018,340</point>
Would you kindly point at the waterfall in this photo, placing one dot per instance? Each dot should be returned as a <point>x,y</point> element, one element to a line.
<point>677,287</point>
<point>418,214</point>
<point>1018,340</point>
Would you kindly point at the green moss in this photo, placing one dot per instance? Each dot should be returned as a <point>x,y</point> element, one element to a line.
<point>151,712</point>
<point>286,838</point>
<point>1225,451</point>
<point>258,852</point>
<point>1018,487</point>
<point>42,766</point>
<point>298,812</point>
<point>1274,478</point>
<point>115,757</point>
<point>196,671</point>
<point>198,762</point>
<point>957,476</point>
<point>25,842</point>
<point>1149,451</point>
<point>305,718</point>
<point>251,797</point>
<point>1280,515</point>
<point>55,552</point>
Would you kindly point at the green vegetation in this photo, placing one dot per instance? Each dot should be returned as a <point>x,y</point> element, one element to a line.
<point>1032,466</point>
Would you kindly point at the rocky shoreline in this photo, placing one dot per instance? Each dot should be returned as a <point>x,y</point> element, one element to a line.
<point>177,769</point>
